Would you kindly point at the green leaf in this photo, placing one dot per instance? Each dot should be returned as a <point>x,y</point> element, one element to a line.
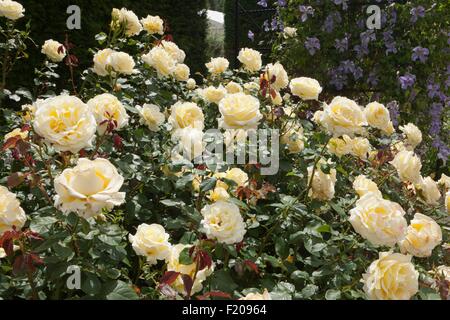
<point>185,258</point>
<point>208,184</point>
<point>332,294</point>
<point>119,290</point>
<point>90,284</point>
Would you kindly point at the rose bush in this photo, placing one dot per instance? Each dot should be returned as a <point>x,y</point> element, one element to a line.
<point>117,179</point>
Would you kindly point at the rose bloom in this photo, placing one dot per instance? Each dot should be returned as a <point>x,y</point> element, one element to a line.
<point>391,277</point>
<point>151,116</point>
<point>251,59</point>
<point>153,24</point>
<point>54,50</point>
<point>11,213</point>
<point>182,72</point>
<point>223,221</point>
<point>66,122</point>
<point>191,84</point>
<point>239,111</point>
<point>429,190</point>
<point>257,296</point>
<point>322,186</point>
<point>213,94</point>
<point>107,107</point>
<point>281,77</point>
<point>16,133</point>
<point>290,32</point>
<point>191,143</point>
<point>306,88</point>
<point>444,181</point>
<point>238,176</point>
<point>219,194</point>
<point>186,115</point>
<point>217,65</point>
<point>422,236</point>
<point>294,138</point>
<point>121,63</point>
<point>152,242</point>
<point>173,264</point>
<point>362,185</point>
<point>380,221</point>
<point>235,138</point>
<point>408,166</point>
<point>358,147</point>
<point>101,60</point>
<point>88,188</point>
<point>447,202</point>
<point>161,60</point>
<point>342,116</point>
<point>338,147</point>
<point>413,135</point>
<point>175,52</point>
<point>129,19</point>
<point>378,117</point>
<point>233,87</point>
<point>11,9</point>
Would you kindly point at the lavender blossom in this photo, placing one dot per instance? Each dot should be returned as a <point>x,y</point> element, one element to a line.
<point>416,13</point>
<point>312,45</point>
<point>262,3</point>
<point>420,54</point>
<point>394,111</point>
<point>407,80</point>
<point>341,45</point>
<point>305,11</point>
<point>251,35</point>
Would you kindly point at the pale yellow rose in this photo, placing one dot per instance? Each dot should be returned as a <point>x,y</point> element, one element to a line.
<point>65,122</point>
<point>89,188</point>
<point>358,147</point>
<point>219,194</point>
<point>378,220</point>
<point>238,176</point>
<point>251,59</point>
<point>11,213</point>
<point>152,242</point>
<point>175,52</point>
<point>233,87</point>
<point>121,63</point>
<point>362,185</point>
<point>277,100</point>
<point>306,88</point>
<point>153,24</point>
<point>322,184</point>
<point>338,147</point>
<point>107,107</point>
<point>54,50</point>
<point>281,77</point>
<point>445,181</point>
<point>127,18</point>
<point>391,277</point>
<point>408,166</point>
<point>217,65</point>
<point>422,236</point>
<point>342,116</point>
<point>235,139</point>
<point>447,202</point>
<point>161,61</point>
<point>101,62</point>
<point>290,32</point>
<point>257,296</point>
<point>252,87</point>
<point>16,133</point>
<point>173,264</point>
<point>429,190</point>
<point>223,221</point>
<point>151,116</point>
<point>182,72</point>
<point>378,116</point>
<point>186,115</point>
<point>413,135</point>
<point>239,111</point>
<point>190,143</point>
<point>191,84</point>
<point>213,94</point>
<point>11,9</point>
<point>294,138</point>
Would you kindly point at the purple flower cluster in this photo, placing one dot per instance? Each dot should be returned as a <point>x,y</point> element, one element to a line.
<point>420,54</point>
<point>394,111</point>
<point>389,42</point>
<point>341,45</point>
<point>341,2</point>
<point>407,80</point>
<point>312,45</point>
<point>262,3</point>
<point>331,19</point>
<point>416,13</point>
<point>339,75</point>
<point>305,11</point>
